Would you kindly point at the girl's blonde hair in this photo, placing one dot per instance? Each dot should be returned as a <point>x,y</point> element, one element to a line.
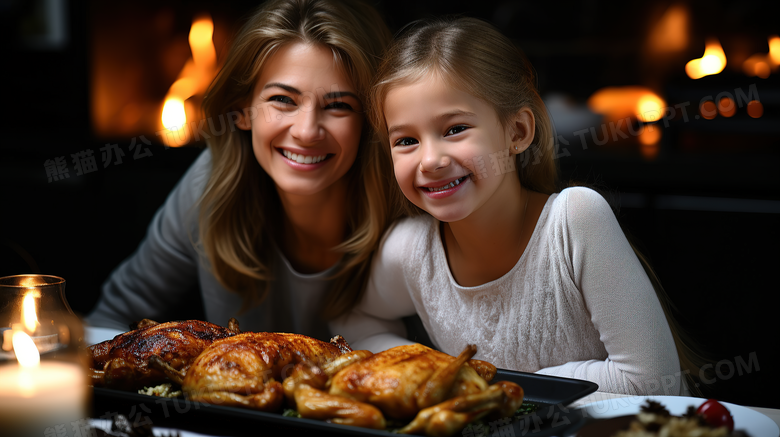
<point>473,56</point>
<point>240,209</point>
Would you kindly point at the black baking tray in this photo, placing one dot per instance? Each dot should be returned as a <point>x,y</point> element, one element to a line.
<point>552,394</point>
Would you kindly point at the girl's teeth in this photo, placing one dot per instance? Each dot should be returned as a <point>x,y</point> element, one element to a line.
<point>303,159</point>
<point>446,187</point>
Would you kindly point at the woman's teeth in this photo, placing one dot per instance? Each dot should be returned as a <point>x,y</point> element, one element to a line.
<point>303,159</point>
<point>448,186</point>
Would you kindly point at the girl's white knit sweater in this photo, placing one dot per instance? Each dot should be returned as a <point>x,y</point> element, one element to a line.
<point>577,303</point>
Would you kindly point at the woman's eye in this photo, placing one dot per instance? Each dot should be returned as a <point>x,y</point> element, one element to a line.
<point>282,99</point>
<point>339,105</point>
<point>456,129</point>
<point>407,141</point>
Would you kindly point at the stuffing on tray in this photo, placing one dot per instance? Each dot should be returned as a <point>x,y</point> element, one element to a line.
<point>162,390</point>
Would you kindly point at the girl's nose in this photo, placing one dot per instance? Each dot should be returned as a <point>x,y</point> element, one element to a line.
<point>307,127</point>
<point>433,158</point>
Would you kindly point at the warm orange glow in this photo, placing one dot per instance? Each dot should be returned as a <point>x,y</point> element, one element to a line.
<point>173,114</point>
<point>763,64</point>
<point>774,50</point>
<point>712,62</point>
<point>648,142</point>
<point>762,70</point>
<point>755,109</point>
<point>193,80</point>
<point>185,86</point>
<point>708,110</point>
<point>29,282</point>
<point>649,107</point>
<point>203,52</point>
<point>26,352</point>
<point>650,136</point>
<point>727,107</point>
<point>670,33</point>
<point>630,101</point>
<point>649,152</point>
<point>758,65</point>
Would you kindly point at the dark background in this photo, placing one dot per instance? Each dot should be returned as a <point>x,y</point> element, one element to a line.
<point>704,207</point>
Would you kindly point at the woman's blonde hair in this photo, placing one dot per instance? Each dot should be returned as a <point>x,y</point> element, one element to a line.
<point>473,56</point>
<point>240,209</point>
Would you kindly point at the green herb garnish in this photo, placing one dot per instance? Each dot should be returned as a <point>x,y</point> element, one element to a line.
<point>289,412</point>
<point>526,408</point>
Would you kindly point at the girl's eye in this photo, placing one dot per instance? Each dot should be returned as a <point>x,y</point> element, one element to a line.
<point>339,105</point>
<point>456,130</point>
<point>407,141</point>
<point>282,99</point>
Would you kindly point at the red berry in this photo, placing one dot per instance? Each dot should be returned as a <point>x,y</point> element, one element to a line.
<point>716,414</point>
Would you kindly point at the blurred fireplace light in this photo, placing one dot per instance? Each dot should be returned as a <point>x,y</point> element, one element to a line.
<point>763,64</point>
<point>670,33</point>
<point>648,142</point>
<point>755,109</point>
<point>649,107</point>
<point>708,110</point>
<point>712,62</point>
<point>774,49</point>
<point>173,114</point>
<point>727,107</point>
<point>650,136</point>
<point>630,101</point>
<point>193,80</point>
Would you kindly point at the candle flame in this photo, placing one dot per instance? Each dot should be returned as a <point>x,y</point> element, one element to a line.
<point>712,62</point>
<point>29,282</point>
<point>29,316</point>
<point>26,352</point>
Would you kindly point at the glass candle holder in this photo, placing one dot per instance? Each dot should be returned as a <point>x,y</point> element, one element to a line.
<point>43,386</point>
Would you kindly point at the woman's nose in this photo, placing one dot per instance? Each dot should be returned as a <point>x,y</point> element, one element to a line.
<point>434,158</point>
<point>307,127</point>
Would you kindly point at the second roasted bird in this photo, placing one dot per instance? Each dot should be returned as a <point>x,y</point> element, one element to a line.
<point>123,362</point>
<point>246,370</point>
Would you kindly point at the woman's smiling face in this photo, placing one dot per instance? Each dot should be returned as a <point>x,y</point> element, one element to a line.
<point>450,152</point>
<point>307,119</point>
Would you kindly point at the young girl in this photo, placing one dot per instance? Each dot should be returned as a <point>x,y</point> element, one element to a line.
<point>540,281</point>
<point>276,222</point>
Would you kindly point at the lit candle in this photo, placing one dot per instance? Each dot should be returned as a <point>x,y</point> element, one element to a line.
<point>40,398</point>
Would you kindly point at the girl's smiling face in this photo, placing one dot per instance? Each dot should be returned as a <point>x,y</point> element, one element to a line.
<point>305,117</point>
<point>451,154</point>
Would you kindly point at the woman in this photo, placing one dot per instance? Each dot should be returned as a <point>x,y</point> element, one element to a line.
<point>275,223</point>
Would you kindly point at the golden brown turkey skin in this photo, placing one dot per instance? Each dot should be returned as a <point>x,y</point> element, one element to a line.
<point>441,392</point>
<point>245,370</point>
<point>396,380</point>
<point>122,362</point>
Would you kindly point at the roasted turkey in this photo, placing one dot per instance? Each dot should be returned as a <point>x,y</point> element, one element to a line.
<point>246,370</point>
<point>441,393</point>
<point>123,362</point>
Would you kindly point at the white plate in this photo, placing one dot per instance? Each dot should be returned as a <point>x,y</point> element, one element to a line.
<point>105,425</point>
<point>94,335</point>
<point>751,421</point>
